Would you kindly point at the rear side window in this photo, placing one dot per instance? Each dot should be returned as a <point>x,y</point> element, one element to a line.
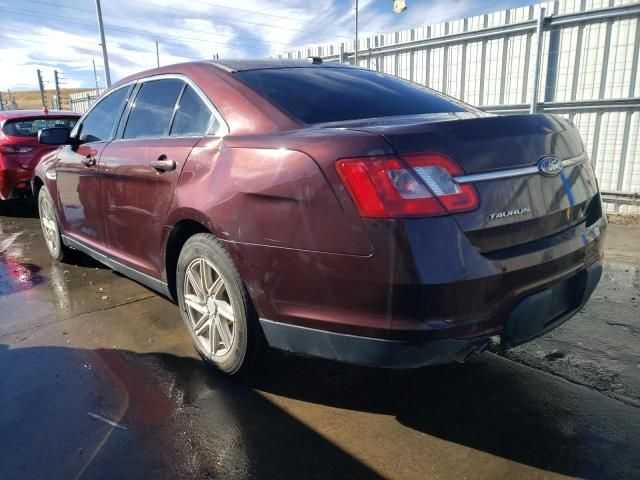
<point>317,95</point>
<point>153,109</point>
<point>192,116</point>
<point>100,122</point>
<point>31,126</point>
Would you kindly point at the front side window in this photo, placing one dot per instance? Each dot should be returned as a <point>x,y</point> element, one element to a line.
<point>30,127</point>
<point>101,121</point>
<point>192,116</point>
<point>153,109</point>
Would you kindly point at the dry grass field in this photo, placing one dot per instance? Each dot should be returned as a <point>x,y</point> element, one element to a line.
<point>31,99</point>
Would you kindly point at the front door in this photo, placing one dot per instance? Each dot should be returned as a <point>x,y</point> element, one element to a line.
<point>77,170</point>
<point>140,170</point>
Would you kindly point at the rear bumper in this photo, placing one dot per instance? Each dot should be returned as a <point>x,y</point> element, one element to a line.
<point>369,351</point>
<point>424,281</point>
<point>15,182</point>
<point>533,316</point>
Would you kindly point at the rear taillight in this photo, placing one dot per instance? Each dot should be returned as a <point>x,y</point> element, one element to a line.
<point>436,171</point>
<point>11,149</point>
<point>386,187</point>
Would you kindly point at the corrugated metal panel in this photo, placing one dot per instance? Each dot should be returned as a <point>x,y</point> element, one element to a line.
<point>609,149</point>
<point>631,175</point>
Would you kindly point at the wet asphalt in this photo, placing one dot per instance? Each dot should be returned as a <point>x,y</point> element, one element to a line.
<point>81,346</point>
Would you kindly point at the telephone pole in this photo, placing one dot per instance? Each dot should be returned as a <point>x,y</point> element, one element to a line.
<point>1,101</point>
<point>57,82</point>
<point>103,44</point>
<point>95,75</point>
<point>157,54</point>
<point>41,85</point>
<point>355,50</point>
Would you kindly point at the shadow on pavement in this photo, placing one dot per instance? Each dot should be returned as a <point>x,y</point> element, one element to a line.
<point>24,208</point>
<point>183,421</point>
<point>489,404</point>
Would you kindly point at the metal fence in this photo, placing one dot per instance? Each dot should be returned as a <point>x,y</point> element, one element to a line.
<point>82,101</point>
<point>588,71</point>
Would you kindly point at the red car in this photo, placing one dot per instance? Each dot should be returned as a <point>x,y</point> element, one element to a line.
<point>19,147</point>
<point>328,210</point>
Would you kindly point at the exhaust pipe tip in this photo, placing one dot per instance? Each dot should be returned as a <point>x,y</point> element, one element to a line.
<point>464,354</point>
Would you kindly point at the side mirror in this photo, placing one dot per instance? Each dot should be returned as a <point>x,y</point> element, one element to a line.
<point>54,136</point>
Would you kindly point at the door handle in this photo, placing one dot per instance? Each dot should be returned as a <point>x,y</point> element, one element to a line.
<point>163,164</point>
<point>89,161</point>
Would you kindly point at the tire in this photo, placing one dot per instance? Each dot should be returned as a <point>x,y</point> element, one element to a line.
<point>51,227</point>
<point>215,306</point>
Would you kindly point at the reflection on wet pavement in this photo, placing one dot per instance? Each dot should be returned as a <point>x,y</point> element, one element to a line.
<point>15,275</point>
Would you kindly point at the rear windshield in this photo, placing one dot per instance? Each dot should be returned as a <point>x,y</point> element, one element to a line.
<point>318,95</point>
<point>30,127</point>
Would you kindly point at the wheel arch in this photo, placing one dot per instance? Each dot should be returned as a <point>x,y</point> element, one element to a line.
<point>183,229</point>
<point>36,185</point>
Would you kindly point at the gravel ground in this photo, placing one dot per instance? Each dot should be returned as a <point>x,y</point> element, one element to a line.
<point>620,219</point>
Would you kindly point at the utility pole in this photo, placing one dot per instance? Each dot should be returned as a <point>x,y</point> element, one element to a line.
<point>103,44</point>
<point>157,54</point>
<point>1,101</point>
<point>95,75</point>
<point>41,85</point>
<point>355,50</point>
<point>57,82</point>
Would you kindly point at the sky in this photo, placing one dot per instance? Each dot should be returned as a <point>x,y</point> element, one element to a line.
<point>63,34</point>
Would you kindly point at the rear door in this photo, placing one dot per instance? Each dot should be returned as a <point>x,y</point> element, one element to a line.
<point>77,176</point>
<point>140,169</point>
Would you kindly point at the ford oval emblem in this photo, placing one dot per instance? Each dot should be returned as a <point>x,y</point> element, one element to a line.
<point>549,166</point>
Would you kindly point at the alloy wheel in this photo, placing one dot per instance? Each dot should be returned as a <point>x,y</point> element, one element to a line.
<point>49,224</point>
<point>209,308</point>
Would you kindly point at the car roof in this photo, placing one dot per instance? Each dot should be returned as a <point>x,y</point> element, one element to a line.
<point>11,114</point>
<point>225,67</point>
<point>242,65</point>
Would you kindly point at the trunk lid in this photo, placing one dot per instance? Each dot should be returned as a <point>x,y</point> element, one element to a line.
<point>515,209</point>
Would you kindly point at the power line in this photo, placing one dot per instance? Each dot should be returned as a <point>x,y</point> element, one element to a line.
<point>132,30</point>
<point>261,12</point>
<point>117,49</point>
<point>148,22</point>
<point>227,19</point>
<point>231,20</point>
<point>410,22</point>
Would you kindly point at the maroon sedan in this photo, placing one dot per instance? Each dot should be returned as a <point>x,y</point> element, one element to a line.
<point>19,147</point>
<point>328,210</point>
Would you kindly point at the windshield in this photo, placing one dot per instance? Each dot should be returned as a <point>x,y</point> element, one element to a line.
<point>319,95</point>
<point>31,126</point>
